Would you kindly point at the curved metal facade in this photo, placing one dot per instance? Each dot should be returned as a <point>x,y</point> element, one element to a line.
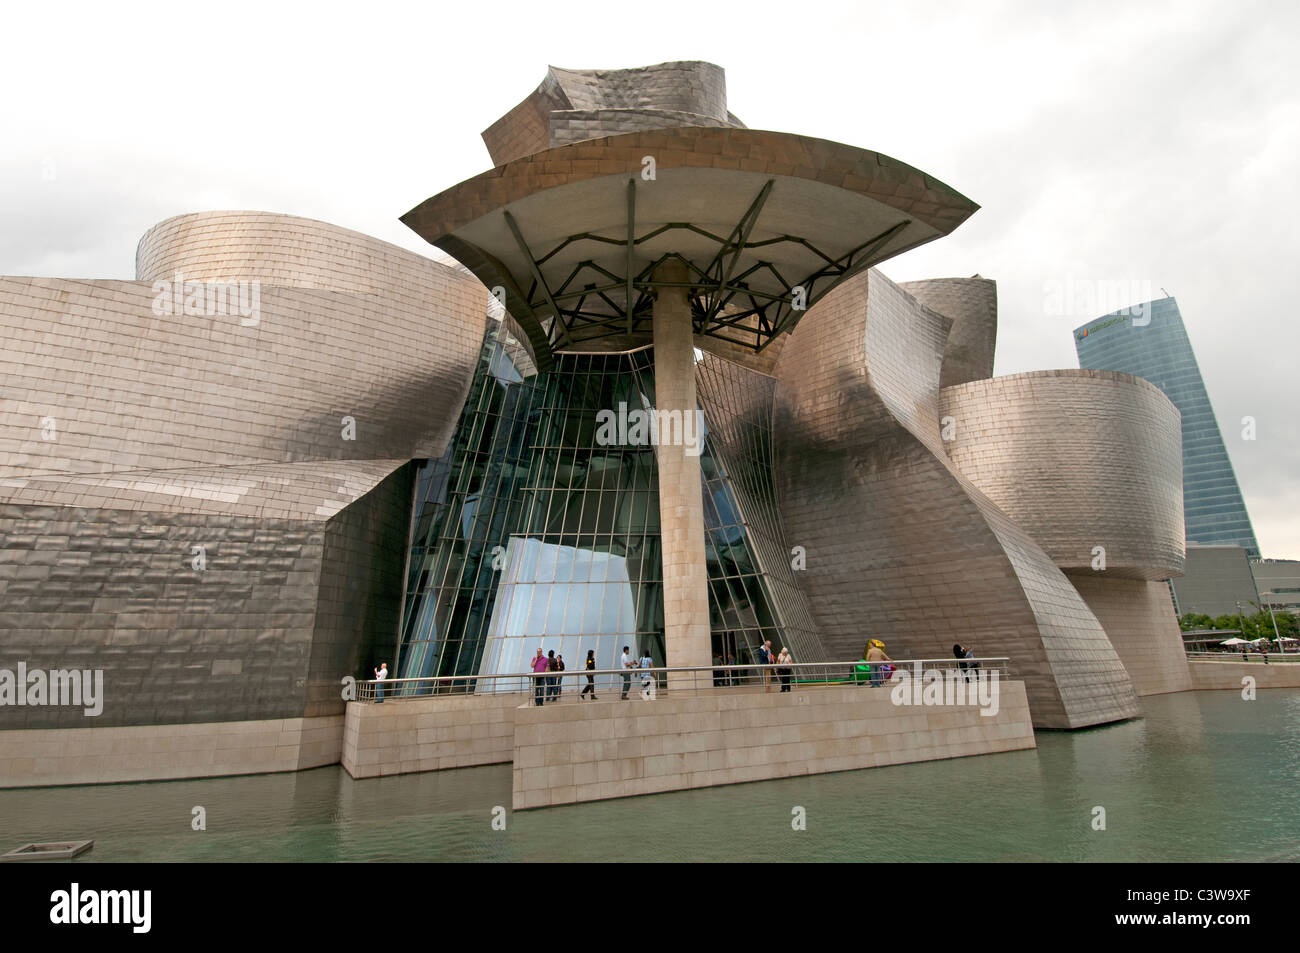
<point>571,105</point>
<point>1080,460</point>
<point>901,546</point>
<point>755,594</point>
<point>972,305</point>
<point>191,511</point>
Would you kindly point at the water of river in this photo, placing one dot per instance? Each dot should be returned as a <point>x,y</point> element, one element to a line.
<point>1205,776</point>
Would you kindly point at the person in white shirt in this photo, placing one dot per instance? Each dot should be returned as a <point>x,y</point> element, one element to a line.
<point>628,663</point>
<point>784,661</point>
<point>648,681</point>
<point>381,673</point>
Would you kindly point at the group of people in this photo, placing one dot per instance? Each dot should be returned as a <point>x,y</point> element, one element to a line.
<point>875,666</point>
<point>784,673</point>
<point>547,679</point>
<point>724,674</point>
<point>878,668</point>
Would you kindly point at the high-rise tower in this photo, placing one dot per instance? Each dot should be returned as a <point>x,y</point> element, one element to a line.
<point>1160,351</point>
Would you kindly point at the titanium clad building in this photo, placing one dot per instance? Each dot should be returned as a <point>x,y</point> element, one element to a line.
<point>1161,352</point>
<point>233,516</point>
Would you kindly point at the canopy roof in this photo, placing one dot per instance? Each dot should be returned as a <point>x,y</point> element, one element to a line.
<point>766,223</point>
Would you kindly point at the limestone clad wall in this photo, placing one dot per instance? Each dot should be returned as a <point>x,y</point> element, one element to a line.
<point>1227,676</point>
<point>104,755</point>
<point>1139,619</point>
<point>570,753</point>
<point>400,736</point>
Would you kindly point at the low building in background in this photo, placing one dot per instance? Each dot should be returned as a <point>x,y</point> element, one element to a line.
<point>1216,581</point>
<point>1278,583</point>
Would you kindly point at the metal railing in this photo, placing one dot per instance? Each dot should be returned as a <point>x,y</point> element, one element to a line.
<point>575,686</point>
<point>1261,658</point>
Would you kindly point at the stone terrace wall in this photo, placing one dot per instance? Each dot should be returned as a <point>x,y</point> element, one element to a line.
<point>402,736</point>
<point>569,753</point>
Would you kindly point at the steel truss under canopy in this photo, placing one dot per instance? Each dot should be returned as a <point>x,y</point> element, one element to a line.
<point>574,239</point>
<point>591,301</point>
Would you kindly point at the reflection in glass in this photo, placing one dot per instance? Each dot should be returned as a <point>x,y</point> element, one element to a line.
<point>529,533</point>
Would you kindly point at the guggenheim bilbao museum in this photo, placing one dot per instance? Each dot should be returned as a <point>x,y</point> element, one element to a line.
<point>287,451</point>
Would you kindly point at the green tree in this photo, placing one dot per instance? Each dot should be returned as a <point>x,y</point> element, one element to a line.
<point>1287,624</point>
<point>1263,622</point>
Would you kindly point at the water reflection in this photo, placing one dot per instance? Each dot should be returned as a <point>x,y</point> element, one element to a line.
<point>1204,777</point>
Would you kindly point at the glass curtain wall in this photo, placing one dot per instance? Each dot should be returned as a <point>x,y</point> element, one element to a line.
<point>535,531</point>
<point>531,534</point>
<point>584,570</point>
<point>753,592</point>
<point>466,503</point>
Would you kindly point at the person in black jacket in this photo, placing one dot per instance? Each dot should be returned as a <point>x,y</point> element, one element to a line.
<point>591,679</point>
<point>967,668</point>
<point>552,666</point>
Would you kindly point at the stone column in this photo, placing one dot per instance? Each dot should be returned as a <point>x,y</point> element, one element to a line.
<point>681,501</point>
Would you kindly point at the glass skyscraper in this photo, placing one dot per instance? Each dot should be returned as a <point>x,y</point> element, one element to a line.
<point>1160,351</point>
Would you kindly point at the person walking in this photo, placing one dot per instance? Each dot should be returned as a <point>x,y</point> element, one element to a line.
<point>590,666</point>
<point>540,665</point>
<point>648,681</point>
<point>629,663</point>
<point>784,671</point>
<point>381,673</point>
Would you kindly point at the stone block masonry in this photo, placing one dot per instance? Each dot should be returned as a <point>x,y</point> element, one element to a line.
<point>1227,675</point>
<point>566,754</point>
<point>40,757</point>
<point>402,736</point>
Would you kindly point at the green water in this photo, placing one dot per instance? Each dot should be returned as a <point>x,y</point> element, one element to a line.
<point>1205,776</point>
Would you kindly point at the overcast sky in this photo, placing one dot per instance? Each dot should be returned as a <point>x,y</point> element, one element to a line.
<point>1153,144</point>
